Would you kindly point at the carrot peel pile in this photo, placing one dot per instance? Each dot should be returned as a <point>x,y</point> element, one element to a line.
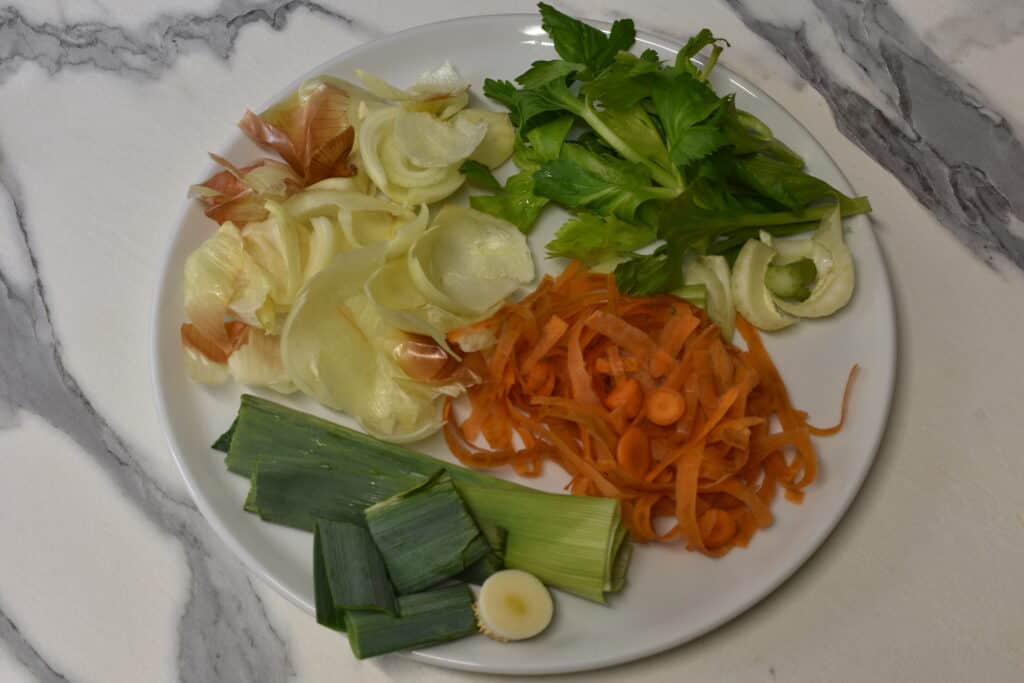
<point>638,399</point>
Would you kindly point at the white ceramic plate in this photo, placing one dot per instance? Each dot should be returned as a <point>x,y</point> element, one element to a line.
<point>672,596</point>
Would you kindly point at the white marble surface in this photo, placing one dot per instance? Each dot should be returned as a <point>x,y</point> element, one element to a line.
<point>108,573</point>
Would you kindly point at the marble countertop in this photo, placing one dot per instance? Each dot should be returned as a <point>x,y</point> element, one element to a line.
<point>109,573</point>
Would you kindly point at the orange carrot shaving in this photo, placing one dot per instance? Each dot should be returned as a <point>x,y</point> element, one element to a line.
<point>634,452</point>
<point>834,429</point>
<point>552,332</point>
<point>627,396</point>
<point>638,399</point>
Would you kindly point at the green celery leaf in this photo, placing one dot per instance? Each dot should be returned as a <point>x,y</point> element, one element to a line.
<point>517,202</point>
<point>546,70</point>
<point>701,40</point>
<point>527,106</point>
<point>655,273</point>
<point>626,82</point>
<point>594,142</point>
<point>575,41</point>
<point>479,175</point>
<point>748,134</point>
<point>635,126</point>
<point>779,180</point>
<point>696,143</point>
<point>504,92</point>
<point>682,102</point>
<point>592,239</point>
<point>547,139</point>
<point>600,183</point>
<point>684,223</point>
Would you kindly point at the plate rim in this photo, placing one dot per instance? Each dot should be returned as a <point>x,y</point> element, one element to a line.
<point>811,546</point>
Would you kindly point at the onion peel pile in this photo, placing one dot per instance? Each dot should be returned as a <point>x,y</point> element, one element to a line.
<point>638,399</point>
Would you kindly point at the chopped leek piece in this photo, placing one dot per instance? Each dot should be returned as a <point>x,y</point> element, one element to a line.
<point>513,605</point>
<point>223,442</point>
<point>425,534</point>
<point>428,618</point>
<point>491,563</point>
<point>296,494</point>
<point>836,277</point>
<point>752,298</point>
<point>308,469</point>
<point>348,574</point>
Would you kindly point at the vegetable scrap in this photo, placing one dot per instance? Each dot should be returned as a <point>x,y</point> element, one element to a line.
<point>641,400</point>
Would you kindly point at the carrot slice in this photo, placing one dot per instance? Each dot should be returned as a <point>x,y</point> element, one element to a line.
<point>665,407</point>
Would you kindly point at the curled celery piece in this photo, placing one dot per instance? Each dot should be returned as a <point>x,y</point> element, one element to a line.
<point>791,280</point>
<point>768,275</point>
<point>713,273</point>
<point>834,265</point>
<point>752,298</point>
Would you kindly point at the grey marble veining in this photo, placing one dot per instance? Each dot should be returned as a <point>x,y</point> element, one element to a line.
<point>980,24</point>
<point>224,633</point>
<point>147,51</point>
<point>959,157</point>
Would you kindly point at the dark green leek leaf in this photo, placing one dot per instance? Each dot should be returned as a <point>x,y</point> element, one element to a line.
<point>425,534</point>
<point>296,494</point>
<point>308,469</point>
<point>223,442</point>
<point>348,574</point>
<point>427,618</point>
<point>493,561</point>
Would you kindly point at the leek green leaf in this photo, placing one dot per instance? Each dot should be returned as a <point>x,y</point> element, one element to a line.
<point>425,534</point>
<point>307,468</point>
<point>348,574</point>
<point>427,618</point>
